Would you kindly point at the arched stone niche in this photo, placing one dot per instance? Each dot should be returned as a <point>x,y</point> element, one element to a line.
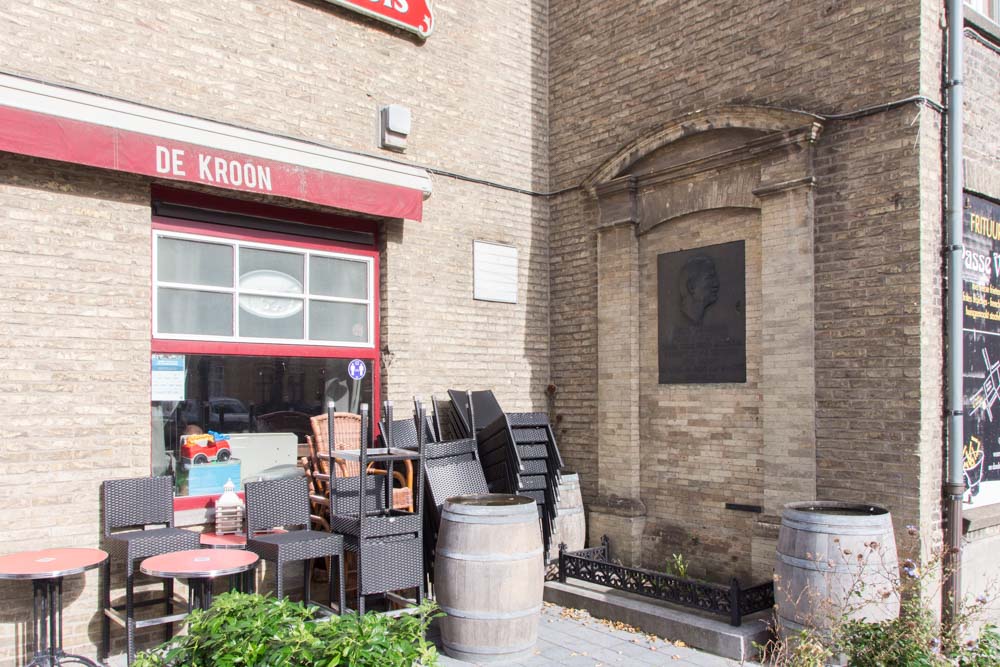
<point>729,173</point>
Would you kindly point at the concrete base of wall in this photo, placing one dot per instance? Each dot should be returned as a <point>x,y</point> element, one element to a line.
<point>664,620</point>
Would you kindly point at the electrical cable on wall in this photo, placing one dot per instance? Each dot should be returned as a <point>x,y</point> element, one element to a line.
<point>922,100</point>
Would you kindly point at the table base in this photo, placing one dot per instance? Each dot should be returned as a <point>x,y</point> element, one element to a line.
<point>47,639</point>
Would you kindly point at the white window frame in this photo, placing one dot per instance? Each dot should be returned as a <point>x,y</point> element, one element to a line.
<point>988,8</point>
<point>235,291</point>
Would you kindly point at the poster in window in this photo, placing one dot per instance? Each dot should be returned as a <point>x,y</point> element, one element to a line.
<point>981,343</point>
<point>168,377</point>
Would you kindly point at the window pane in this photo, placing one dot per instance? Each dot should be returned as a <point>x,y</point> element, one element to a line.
<point>270,317</point>
<point>194,262</point>
<point>270,271</point>
<point>262,405</point>
<point>346,322</point>
<point>181,311</point>
<point>343,278</point>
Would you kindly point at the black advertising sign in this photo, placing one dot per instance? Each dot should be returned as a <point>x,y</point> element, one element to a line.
<point>981,342</point>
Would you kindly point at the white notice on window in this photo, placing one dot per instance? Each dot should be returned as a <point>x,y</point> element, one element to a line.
<point>495,268</point>
<point>168,377</point>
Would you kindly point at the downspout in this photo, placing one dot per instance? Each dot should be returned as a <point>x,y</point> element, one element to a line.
<point>954,486</point>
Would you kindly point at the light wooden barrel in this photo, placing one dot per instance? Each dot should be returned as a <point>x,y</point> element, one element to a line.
<point>818,565</point>
<point>570,525</point>
<point>488,577</point>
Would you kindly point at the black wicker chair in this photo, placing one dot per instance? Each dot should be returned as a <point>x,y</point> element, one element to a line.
<point>284,503</point>
<point>137,504</point>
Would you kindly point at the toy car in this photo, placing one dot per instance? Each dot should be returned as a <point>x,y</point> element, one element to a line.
<point>204,448</point>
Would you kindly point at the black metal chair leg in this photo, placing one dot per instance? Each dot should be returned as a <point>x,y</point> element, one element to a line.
<point>105,577</point>
<point>130,614</point>
<point>329,581</point>
<point>279,574</point>
<point>307,582</point>
<point>343,583</point>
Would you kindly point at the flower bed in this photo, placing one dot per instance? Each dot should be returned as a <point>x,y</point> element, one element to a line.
<point>733,601</point>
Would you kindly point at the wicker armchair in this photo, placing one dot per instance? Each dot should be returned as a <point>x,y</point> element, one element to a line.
<point>346,435</point>
<point>135,504</point>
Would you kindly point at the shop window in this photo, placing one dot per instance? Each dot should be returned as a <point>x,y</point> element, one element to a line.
<point>253,333</point>
<point>210,289</point>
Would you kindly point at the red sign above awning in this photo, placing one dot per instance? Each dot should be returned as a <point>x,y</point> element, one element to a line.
<point>412,15</point>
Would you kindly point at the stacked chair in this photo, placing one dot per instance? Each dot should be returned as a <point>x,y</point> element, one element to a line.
<point>387,541</point>
<point>518,452</point>
<point>451,468</point>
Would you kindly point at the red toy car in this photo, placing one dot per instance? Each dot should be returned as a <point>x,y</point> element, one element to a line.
<point>204,448</point>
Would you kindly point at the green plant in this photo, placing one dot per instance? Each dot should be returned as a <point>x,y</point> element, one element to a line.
<point>242,630</point>
<point>677,566</point>
<point>914,639</point>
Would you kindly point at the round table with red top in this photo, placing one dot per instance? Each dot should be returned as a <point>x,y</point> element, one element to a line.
<point>200,567</point>
<point>46,569</point>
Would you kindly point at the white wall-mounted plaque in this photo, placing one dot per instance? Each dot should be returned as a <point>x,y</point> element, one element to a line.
<point>495,272</point>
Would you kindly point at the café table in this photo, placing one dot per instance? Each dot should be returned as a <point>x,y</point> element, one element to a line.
<point>200,567</point>
<point>46,569</point>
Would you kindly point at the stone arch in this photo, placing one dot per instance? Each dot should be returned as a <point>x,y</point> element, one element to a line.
<point>763,119</point>
<point>725,162</point>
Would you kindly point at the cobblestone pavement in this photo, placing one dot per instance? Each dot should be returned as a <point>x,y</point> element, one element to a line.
<point>571,637</point>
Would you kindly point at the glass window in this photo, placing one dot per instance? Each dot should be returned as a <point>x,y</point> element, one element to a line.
<point>344,278</point>
<point>197,297</point>
<point>194,262</point>
<point>256,409</point>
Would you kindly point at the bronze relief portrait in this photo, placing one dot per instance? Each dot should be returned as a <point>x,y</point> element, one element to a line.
<point>701,303</point>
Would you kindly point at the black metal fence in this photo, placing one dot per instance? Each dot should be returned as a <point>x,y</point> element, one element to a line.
<point>733,601</point>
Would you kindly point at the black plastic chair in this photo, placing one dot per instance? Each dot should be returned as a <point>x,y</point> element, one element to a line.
<point>284,503</point>
<point>138,504</point>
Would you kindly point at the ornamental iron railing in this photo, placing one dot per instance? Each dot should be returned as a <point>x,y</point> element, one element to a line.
<point>732,601</point>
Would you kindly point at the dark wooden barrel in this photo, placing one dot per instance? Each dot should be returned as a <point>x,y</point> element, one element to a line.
<point>826,552</point>
<point>570,525</point>
<point>488,577</point>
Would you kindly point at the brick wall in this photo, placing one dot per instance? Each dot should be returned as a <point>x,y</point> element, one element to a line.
<point>656,62</point>
<point>75,268</point>
<point>702,444</point>
<point>75,244</point>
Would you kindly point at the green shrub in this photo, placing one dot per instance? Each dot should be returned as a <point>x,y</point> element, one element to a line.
<point>916,638</point>
<point>256,631</point>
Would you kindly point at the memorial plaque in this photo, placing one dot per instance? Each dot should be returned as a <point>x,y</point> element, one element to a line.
<point>701,306</point>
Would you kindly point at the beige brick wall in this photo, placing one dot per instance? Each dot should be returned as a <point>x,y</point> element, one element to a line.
<point>702,444</point>
<point>74,368</point>
<point>877,409</point>
<point>74,244</point>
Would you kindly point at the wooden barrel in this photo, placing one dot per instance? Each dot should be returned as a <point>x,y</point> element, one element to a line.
<point>488,577</point>
<point>570,525</point>
<point>834,559</point>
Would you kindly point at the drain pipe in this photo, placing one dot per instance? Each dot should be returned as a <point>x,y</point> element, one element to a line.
<point>954,486</point>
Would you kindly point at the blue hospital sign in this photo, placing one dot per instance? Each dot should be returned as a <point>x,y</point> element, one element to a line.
<point>356,369</point>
